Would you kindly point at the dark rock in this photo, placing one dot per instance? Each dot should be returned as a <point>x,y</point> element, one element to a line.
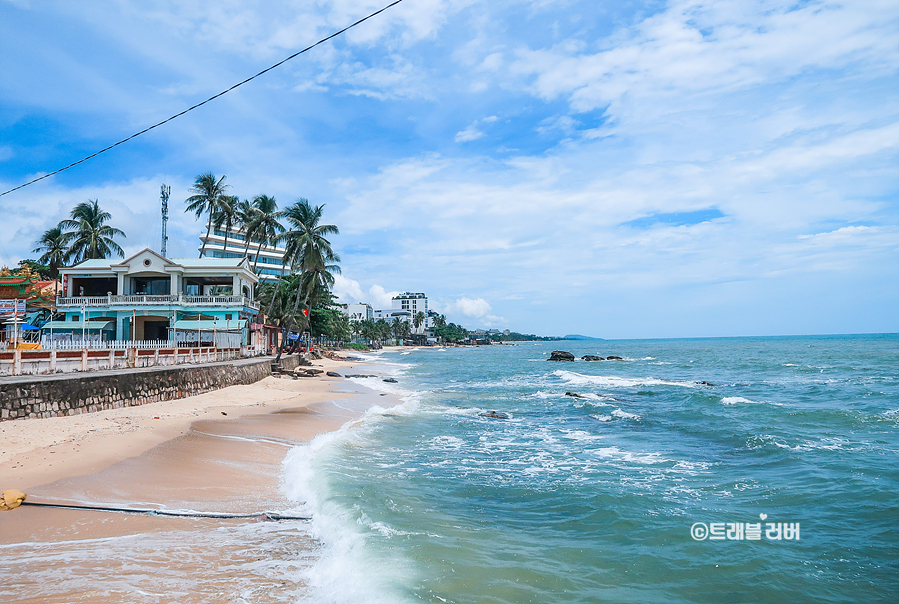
<point>705,383</point>
<point>560,355</point>
<point>614,358</point>
<point>333,374</point>
<point>574,394</point>
<point>591,357</point>
<point>494,415</point>
<point>390,380</point>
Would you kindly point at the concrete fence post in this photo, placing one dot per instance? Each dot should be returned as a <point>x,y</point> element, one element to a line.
<point>17,362</point>
<point>53,361</point>
<point>84,359</point>
<point>112,358</point>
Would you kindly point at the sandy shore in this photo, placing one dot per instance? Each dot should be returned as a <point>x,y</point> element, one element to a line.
<point>220,452</point>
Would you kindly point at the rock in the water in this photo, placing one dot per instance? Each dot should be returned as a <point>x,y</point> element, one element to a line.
<point>591,357</point>
<point>560,355</point>
<point>494,415</point>
<point>614,358</point>
<point>705,383</point>
<point>333,374</point>
<point>574,394</point>
<point>390,380</point>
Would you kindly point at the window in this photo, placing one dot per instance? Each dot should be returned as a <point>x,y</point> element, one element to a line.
<point>227,317</point>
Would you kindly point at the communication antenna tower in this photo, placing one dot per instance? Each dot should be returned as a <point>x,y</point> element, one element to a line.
<point>164,192</point>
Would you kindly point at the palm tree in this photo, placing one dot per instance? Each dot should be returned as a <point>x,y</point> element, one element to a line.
<point>207,196</point>
<point>266,226</point>
<point>418,320</point>
<point>317,283</point>
<point>226,214</point>
<point>308,248</point>
<point>246,218</point>
<point>90,238</point>
<point>53,244</point>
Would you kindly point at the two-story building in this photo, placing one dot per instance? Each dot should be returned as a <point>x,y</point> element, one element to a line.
<point>149,297</point>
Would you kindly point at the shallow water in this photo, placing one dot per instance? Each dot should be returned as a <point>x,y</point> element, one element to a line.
<point>592,499</point>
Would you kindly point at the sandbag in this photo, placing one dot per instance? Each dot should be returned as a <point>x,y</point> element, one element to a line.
<point>11,499</point>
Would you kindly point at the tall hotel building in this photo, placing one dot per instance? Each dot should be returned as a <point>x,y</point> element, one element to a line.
<point>270,261</point>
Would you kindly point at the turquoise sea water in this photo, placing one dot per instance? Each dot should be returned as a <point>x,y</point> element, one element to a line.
<point>592,499</point>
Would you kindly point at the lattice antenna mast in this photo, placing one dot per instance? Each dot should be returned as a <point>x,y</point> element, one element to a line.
<point>164,192</point>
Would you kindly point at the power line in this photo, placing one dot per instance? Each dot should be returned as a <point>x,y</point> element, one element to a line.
<point>200,104</point>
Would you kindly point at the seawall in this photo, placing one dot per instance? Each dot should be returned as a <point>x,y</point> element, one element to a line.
<point>73,394</point>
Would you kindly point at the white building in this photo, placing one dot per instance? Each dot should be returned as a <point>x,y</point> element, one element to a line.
<point>413,303</point>
<point>271,258</point>
<point>359,312</point>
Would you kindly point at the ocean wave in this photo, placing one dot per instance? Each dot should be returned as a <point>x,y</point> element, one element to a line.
<point>570,377</point>
<point>620,455</point>
<point>739,400</point>
<point>625,414</point>
<point>602,418</point>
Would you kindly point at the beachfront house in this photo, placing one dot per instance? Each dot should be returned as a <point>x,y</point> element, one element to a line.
<point>149,297</point>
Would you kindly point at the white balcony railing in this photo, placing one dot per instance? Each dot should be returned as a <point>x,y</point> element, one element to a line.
<point>148,300</point>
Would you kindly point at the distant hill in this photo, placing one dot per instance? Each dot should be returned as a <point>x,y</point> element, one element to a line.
<point>575,336</point>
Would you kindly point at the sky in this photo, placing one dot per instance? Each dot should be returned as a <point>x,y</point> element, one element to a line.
<point>617,169</point>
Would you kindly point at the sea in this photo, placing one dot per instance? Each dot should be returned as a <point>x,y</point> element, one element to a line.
<point>720,471</point>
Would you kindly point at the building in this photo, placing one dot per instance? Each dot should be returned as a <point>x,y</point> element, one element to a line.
<point>391,315</point>
<point>270,261</point>
<point>149,297</point>
<point>413,303</point>
<point>359,312</point>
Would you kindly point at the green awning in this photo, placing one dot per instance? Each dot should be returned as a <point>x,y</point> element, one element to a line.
<point>194,325</point>
<point>78,325</point>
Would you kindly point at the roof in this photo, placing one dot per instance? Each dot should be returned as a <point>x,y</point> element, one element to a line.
<point>193,325</point>
<point>76,325</point>
<point>204,262</point>
<point>95,263</point>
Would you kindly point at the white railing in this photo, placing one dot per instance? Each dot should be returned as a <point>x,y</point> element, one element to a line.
<point>96,344</point>
<point>154,300</point>
<point>222,340</point>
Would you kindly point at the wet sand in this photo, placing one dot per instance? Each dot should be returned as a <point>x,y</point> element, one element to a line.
<point>192,458</point>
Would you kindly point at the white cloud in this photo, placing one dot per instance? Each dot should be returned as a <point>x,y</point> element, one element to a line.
<point>475,308</point>
<point>347,290</point>
<point>469,134</point>
<point>380,298</point>
<point>694,47</point>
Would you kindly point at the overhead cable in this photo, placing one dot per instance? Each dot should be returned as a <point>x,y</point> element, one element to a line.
<point>200,104</point>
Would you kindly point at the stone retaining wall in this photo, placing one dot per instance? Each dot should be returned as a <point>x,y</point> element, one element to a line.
<point>75,394</point>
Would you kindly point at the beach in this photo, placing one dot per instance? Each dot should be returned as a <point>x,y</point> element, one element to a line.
<point>218,452</point>
<point>587,484</point>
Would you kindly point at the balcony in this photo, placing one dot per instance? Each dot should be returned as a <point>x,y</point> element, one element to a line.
<point>179,300</point>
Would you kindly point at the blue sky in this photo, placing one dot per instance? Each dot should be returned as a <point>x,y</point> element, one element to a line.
<point>619,169</point>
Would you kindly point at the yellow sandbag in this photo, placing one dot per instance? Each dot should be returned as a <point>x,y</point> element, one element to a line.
<point>11,499</point>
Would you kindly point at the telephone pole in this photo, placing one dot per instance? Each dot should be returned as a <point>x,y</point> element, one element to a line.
<point>164,192</point>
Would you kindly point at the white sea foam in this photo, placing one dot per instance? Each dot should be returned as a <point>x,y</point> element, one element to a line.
<point>617,454</point>
<point>734,400</point>
<point>625,414</point>
<point>613,381</point>
<point>739,400</point>
<point>602,418</point>
<point>346,571</point>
